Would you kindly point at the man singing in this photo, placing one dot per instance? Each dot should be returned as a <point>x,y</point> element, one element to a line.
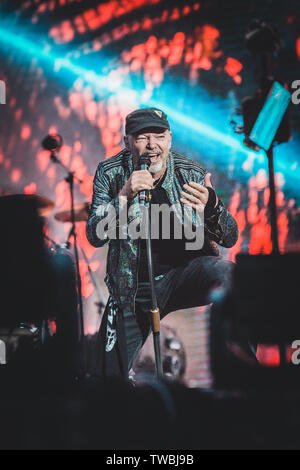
<point>184,275</point>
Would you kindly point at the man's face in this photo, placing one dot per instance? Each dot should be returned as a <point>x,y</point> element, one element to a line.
<point>155,142</point>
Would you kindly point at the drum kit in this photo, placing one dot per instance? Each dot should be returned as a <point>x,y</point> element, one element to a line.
<point>21,328</point>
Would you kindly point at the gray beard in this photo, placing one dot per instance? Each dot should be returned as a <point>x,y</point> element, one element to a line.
<point>156,168</point>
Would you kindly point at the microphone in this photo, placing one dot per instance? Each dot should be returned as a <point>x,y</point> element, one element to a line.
<point>145,162</point>
<point>52,142</point>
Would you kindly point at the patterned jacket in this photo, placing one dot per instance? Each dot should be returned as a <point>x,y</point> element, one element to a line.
<point>123,254</point>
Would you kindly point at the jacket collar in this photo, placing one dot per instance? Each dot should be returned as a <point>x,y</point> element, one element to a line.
<point>168,181</point>
<point>170,173</point>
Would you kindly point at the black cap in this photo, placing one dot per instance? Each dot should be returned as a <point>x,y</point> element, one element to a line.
<point>145,117</point>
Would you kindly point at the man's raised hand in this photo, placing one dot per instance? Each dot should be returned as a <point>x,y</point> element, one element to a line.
<point>197,195</point>
<point>140,180</point>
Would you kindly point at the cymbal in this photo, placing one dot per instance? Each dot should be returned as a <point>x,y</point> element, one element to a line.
<point>45,206</point>
<point>81,212</point>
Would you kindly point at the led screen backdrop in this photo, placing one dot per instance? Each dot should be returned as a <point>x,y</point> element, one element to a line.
<point>78,67</point>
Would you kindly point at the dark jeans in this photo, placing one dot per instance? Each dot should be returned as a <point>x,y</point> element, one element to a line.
<point>180,288</point>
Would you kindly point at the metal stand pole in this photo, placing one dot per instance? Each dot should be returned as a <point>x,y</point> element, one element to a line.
<point>70,180</point>
<point>274,231</point>
<point>272,203</point>
<point>155,317</point>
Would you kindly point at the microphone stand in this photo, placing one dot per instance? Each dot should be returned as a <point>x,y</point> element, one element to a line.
<point>266,71</point>
<point>155,309</point>
<point>145,198</point>
<point>272,203</point>
<point>70,180</point>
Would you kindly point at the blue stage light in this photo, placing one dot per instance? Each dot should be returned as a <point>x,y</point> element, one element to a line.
<point>205,127</point>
